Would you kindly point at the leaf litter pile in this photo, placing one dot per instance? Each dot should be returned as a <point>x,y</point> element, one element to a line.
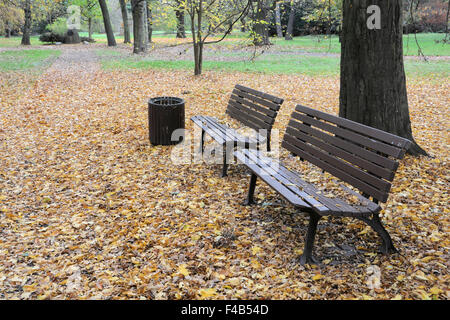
<point>90,210</point>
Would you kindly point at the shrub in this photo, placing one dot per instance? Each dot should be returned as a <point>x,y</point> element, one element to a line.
<point>51,37</point>
<point>59,26</point>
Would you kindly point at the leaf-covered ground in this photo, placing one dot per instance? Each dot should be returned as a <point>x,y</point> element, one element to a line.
<point>89,209</point>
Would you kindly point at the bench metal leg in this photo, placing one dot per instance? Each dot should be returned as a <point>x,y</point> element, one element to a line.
<point>225,160</point>
<point>251,191</point>
<point>307,257</point>
<point>202,142</point>
<point>387,246</point>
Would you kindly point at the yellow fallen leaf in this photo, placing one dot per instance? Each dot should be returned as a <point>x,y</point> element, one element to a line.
<point>207,293</point>
<point>317,277</point>
<point>435,290</point>
<point>183,270</point>
<point>256,250</point>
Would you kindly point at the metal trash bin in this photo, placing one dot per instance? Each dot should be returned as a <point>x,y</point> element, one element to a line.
<point>165,115</point>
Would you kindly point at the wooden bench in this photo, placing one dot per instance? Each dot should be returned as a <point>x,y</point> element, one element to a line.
<point>362,156</point>
<point>253,109</point>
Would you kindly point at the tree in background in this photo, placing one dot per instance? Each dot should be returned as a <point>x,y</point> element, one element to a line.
<point>11,18</point>
<point>107,22</point>
<point>140,31</point>
<point>179,13</point>
<point>212,18</point>
<point>373,82</point>
<point>126,26</point>
<point>149,22</point>
<point>278,20</point>
<point>89,10</point>
<point>260,20</point>
<point>290,25</point>
<point>326,15</point>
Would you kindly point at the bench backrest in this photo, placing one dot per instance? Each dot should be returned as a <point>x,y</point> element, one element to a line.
<point>252,108</point>
<point>360,155</point>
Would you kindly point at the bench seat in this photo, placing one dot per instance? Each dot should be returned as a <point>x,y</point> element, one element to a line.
<point>253,109</point>
<point>299,192</point>
<point>224,134</point>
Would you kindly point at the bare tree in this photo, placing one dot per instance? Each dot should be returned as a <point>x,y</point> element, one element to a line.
<point>211,18</point>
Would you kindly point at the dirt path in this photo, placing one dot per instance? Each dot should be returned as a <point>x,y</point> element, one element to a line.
<point>75,59</point>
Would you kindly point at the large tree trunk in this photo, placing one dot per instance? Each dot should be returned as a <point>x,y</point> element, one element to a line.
<point>260,24</point>
<point>278,20</point>
<point>373,84</point>
<point>107,22</point>
<point>27,26</point>
<point>179,12</point>
<point>290,26</point>
<point>126,26</point>
<point>139,9</point>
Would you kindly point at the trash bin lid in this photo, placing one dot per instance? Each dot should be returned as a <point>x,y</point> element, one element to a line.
<point>166,101</point>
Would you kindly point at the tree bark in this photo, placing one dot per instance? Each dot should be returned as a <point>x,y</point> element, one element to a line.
<point>90,28</point>
<point>290,26</point>
<point>149,22</point>
<point>27,26</point>
<point>126,26</point>
<point>373,82</point>
<point>179,13</point>
<point>139,25</point>
<point>7,31</point>
<point>197,40</point>
<point>278,20</point>
<point>261,24</point>
<point>107,21</point>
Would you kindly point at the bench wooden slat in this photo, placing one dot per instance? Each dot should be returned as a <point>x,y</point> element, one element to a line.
<point>199,120</point>
<point>367,203</point>
<point>245,119</point>
<point>267,178</point>
<point>310,194</point>
<point>382,166</point>
<point>289,144</point>
<point>261,105</point>
<point>335,204</point>
<point>255,156</point>
<point>230,134</point>
<point>263,95</point>
<point>295,179</point>
<point>326,155</point>
<point>251,112</point>
<point>384,136</point>
<point>350,136</point>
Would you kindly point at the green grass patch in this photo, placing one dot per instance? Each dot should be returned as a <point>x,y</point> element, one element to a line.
<point>428,42</point>
<point>276,64</point>
<point>15,42</point>
<point>270,65</point>
<point>17,60</point>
